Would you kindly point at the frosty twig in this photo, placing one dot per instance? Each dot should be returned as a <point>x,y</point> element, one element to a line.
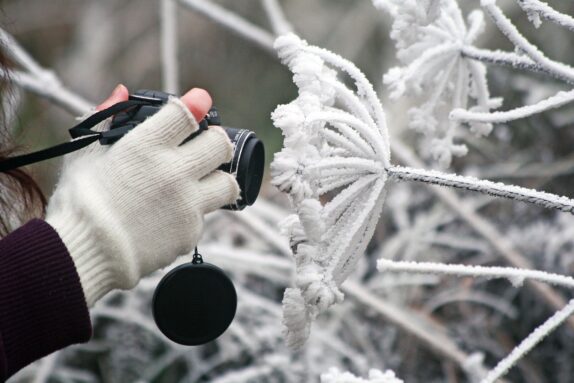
<point>233,22</point>
<point>38,80</point>
<point>514,275</point>
<point>169,67</point>
<point>497,189</point>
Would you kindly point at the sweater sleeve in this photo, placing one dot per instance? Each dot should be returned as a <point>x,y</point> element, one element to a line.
<point>42,305</point>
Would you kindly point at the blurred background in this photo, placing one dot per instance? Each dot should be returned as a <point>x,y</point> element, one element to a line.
<point>94,45</point>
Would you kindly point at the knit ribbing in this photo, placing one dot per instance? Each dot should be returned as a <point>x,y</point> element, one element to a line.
<point>42,306</point>
<point>94,268</point>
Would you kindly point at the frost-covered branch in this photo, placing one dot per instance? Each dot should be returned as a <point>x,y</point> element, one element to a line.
<point>483,227</point>
<point>537,10</point>
<point>431,37</point>
<point>525,46</point>
<point>38,80</point>
<point>375,376</point>
<point>20,56</point>
<point>441,64</point>
<point>428,333</point>
<point>514,275</point>
<point>232,22</point>
<point>345,148</point>
<point>52,90</point>
<point>529,343</point>
<point>274,12</point>
<point>497,189</point>
<point>169,42</point>
<point>509,59</point>
<point>556,101</point>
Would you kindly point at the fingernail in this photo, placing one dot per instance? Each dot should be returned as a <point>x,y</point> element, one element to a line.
<point>198,101</point>
<point>117,89</point>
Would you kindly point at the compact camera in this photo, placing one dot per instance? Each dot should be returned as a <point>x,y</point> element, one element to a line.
<point>248,159</point>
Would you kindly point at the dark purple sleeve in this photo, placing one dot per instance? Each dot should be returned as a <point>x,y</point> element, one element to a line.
<point>42,305</point>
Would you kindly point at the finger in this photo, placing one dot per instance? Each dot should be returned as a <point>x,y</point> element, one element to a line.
<point>198,101</point>
<point>119,94</point>
<point>206,152</point>
<point>217,190</point>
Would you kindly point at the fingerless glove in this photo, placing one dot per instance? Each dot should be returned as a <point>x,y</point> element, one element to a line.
<point>126,210</point>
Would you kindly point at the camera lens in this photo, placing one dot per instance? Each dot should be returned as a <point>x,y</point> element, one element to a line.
<point>246,165</point>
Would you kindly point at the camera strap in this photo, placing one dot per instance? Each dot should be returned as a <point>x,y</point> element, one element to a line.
<point>82,135</point>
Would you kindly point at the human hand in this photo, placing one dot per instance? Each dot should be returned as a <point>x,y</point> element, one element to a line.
<point>128,209</point>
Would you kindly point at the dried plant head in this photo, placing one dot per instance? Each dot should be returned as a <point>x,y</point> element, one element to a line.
<point>430,37</point>
<point>333,166</point>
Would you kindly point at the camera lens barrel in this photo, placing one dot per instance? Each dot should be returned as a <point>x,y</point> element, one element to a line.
<point>247,165</point>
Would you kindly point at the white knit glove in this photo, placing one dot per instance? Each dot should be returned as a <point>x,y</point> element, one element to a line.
<point>128,209</point>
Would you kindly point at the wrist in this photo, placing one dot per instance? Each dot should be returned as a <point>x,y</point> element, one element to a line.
<point>95,240</point>
<point>96,272</point>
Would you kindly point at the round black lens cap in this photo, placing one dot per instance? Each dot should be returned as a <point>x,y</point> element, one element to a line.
<point>194,303</point>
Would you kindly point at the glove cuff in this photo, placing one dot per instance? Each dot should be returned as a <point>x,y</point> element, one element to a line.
<point>93,266</point>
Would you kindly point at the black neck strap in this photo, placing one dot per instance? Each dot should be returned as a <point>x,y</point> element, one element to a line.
<point>82,133</point>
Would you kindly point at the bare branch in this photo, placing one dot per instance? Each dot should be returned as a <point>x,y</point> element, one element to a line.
<point>169,51</point>
<point>51,90</point>
<point>232,22</point>
<point>279,23</point>
<point>41,81</point>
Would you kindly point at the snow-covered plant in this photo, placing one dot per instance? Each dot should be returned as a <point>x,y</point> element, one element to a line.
<point>334,166</point>
<point>327,148</point>
<point>445,70</point>
<point>375,376</point>
<point>331,122</point>
<point>430,37</point>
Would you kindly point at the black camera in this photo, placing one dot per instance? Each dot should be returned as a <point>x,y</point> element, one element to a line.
<point>248,159</point>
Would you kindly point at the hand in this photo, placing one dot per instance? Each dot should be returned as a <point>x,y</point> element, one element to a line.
<point>128,209</point>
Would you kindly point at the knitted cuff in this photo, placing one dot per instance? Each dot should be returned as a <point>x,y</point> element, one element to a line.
<point>93,266</point>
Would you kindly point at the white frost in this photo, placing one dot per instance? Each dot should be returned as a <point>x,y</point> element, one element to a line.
<point>327,148</point>
<point>430,37</point>
<point>375,376</point>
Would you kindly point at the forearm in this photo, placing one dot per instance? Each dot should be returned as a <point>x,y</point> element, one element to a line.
<point>42,305</point>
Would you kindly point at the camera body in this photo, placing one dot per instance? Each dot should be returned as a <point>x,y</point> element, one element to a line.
<point>248,160</point>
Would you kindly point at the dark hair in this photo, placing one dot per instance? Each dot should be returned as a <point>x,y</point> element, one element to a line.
<point>21,199</point>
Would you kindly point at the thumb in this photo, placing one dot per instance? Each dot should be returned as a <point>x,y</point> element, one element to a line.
<point>198,101</point>
<point>120,93</point>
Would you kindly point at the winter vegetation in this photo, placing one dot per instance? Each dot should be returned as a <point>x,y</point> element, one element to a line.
<point>370,272</point>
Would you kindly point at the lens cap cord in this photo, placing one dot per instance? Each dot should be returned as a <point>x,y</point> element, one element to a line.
<point>194,303</point>
<point>197,258</point>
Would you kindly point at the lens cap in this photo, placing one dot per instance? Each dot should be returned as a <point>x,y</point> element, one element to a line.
<point>194,303</point>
